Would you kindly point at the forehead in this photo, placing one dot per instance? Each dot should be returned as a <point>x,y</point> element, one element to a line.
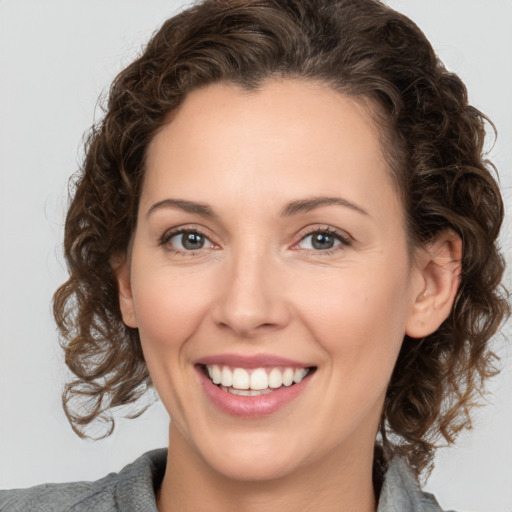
<point>293,133</point>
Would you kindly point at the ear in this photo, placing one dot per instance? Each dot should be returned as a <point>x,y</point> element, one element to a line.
<point>439,267</point>
<point>121,267</point>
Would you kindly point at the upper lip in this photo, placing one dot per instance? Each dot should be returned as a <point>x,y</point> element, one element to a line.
<point>254,361</point>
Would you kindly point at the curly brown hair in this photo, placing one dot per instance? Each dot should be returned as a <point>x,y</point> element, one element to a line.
<point>433,140</point>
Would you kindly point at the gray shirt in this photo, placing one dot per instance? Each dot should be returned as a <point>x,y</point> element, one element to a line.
<point>133,489</point>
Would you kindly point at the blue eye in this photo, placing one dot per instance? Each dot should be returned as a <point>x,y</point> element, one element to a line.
<point>187,241</point>
<point>322,241</point>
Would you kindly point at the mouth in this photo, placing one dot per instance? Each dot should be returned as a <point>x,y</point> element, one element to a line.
<point>255,381</point>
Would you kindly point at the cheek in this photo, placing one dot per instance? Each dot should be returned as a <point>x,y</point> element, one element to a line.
<point>359,317</point>
<point>169,310</point>
<point>169,307</point>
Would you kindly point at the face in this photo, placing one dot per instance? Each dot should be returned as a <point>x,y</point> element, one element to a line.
<point>270,278</point>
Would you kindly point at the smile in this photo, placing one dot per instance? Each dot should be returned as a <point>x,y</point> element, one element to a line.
<point>254,381</point>
<point>253,386</point>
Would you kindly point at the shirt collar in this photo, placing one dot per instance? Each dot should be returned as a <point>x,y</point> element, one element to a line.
<point>401,492</point>
<point>135,489</point>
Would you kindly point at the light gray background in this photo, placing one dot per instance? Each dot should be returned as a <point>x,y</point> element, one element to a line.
<point>56,57</point>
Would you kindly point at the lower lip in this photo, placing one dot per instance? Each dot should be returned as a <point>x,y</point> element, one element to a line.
<point>250,406</point>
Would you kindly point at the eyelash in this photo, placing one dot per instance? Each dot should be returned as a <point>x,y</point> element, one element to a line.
<point>168,235</point>
<point>344,240</point>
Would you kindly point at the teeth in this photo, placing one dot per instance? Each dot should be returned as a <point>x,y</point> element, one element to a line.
<point>299,374</point>
<point>214,372</point>
<point>288,377</point>
<point>251,383</point>
<point>227,377</point>
<point>246,392</point>
<point>259,379</point>
<point>240,379</point>
<point>275,378</point>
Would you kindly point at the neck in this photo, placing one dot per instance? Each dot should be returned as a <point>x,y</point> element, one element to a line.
<point>337,483</point>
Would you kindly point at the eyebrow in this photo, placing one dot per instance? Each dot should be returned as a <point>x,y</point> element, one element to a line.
<point>291,208</point>
<point>186,206</point>
<point>308,204</point>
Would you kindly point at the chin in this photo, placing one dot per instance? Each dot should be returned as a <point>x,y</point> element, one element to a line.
<point>255,469</point>
<point>256,459</point>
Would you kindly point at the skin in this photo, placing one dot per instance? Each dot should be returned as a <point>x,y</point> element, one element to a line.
<point>259,286</point>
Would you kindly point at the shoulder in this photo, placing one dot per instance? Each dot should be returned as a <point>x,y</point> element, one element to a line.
<point>130,489</point>
<point>59,497</point>
<point>401,491</point>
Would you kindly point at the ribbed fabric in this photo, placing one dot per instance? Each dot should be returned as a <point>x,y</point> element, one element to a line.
<point>401,492</point>
<point>133,490</point>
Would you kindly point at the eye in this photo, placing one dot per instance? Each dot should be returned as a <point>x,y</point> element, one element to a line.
<point>322,240</point>
<point>186,240</point>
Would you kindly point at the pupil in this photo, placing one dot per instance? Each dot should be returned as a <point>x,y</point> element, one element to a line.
<point>323,241</point>
<point>192,241</point>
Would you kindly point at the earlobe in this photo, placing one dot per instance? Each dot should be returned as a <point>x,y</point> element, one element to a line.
<point>439,267</point>
<point>121,268</point>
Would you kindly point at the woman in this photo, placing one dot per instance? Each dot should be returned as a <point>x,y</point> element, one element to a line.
<point>286,226</point>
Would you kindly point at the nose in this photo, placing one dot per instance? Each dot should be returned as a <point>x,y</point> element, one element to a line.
<point>251,298</point>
